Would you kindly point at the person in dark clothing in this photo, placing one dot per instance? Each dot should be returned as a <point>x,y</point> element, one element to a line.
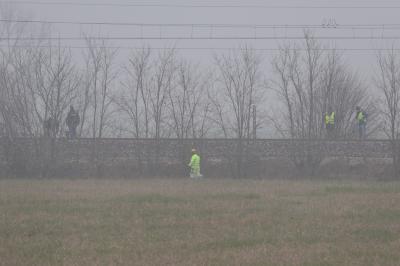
<point>51,127</point>
<point>72,122</point>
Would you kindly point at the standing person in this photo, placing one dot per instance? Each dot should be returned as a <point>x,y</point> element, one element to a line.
<point>72,122</point>
<point>47,127</point>
<point>51,127</point>
<point>330,123</point>
<point>361,117</point>
<point>195,165</point>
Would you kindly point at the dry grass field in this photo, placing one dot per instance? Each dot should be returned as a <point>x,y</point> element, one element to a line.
<point>199,222</point>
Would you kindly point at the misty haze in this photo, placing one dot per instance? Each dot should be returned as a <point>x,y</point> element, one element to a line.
<point>224,132</point>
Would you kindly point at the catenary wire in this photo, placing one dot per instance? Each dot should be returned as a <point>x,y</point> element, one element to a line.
<point>195,48</point>
<point>227,25</point>
<point>201,38</point>
<point>236,6</point>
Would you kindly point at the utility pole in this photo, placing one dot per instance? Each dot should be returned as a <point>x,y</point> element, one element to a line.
<point>254,121</point>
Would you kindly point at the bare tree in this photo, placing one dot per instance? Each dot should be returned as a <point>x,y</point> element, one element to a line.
<point>146,90</point>
<point>388,82</point>
<point>36,84</point>
<point>240,88</point>
<point>309,81</point>
<point>134,98</point>
<point>342,91</point>
<point>100,76</point>
<point>186,102</point>
<point>15,107</point>
<point>161,85</point>
<point>55,84</point>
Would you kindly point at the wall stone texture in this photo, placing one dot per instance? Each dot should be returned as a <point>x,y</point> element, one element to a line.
<point>169,157</point>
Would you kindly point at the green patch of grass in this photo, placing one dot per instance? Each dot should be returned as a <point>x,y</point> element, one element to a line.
<point>235,196</point>
<point>363,188</point>
<point>375,235</point>
<point>231,243</point>
<point>368,215</point>
<point>228,223</point>
<point>178,213</point>
<point>388,215</point>
<point>150,199</point>
<point>377,256</point>
<point>341,189</point>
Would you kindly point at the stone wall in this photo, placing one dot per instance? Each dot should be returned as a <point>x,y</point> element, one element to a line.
<point>131,157</point>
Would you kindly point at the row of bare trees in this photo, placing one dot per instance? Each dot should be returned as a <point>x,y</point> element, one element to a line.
<point>160,94</point>
<point>387,81</point>
<point>311,81</point>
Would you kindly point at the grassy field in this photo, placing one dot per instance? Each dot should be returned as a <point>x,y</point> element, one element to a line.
<point>202,222</point>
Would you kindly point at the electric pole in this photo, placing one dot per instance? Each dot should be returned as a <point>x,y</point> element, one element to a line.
<point>254,121</point>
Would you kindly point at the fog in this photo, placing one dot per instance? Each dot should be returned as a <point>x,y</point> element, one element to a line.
<point>361,60</point>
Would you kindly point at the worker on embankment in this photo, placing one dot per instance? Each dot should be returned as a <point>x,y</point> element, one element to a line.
<point>51,127</point>
<point>330,123</point>
<point>195,165</point>
<point>72,122</point>
<point>361,117</point>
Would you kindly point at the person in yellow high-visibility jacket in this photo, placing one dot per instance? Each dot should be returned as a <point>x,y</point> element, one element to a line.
<point>330,123</point>
<point>361,117</point>
<point>195,165</point>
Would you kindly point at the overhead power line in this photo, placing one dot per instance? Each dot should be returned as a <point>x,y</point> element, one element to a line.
<point>197,48</point>
<point>247,6</point>
<point>227,25</point>
<point>203,38</point>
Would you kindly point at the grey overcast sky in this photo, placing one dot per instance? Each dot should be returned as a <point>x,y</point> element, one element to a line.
<point>300,12</point>
<point>373,19</point>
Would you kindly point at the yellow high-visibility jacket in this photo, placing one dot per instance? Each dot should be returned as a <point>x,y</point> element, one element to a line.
<point>330,119</point>
<point>361,117</point>
<point>195,163</point>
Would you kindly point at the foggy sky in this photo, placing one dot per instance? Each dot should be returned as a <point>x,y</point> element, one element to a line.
<point>361,61</point>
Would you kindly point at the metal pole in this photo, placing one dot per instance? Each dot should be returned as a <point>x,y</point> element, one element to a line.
<point>254,121</point>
